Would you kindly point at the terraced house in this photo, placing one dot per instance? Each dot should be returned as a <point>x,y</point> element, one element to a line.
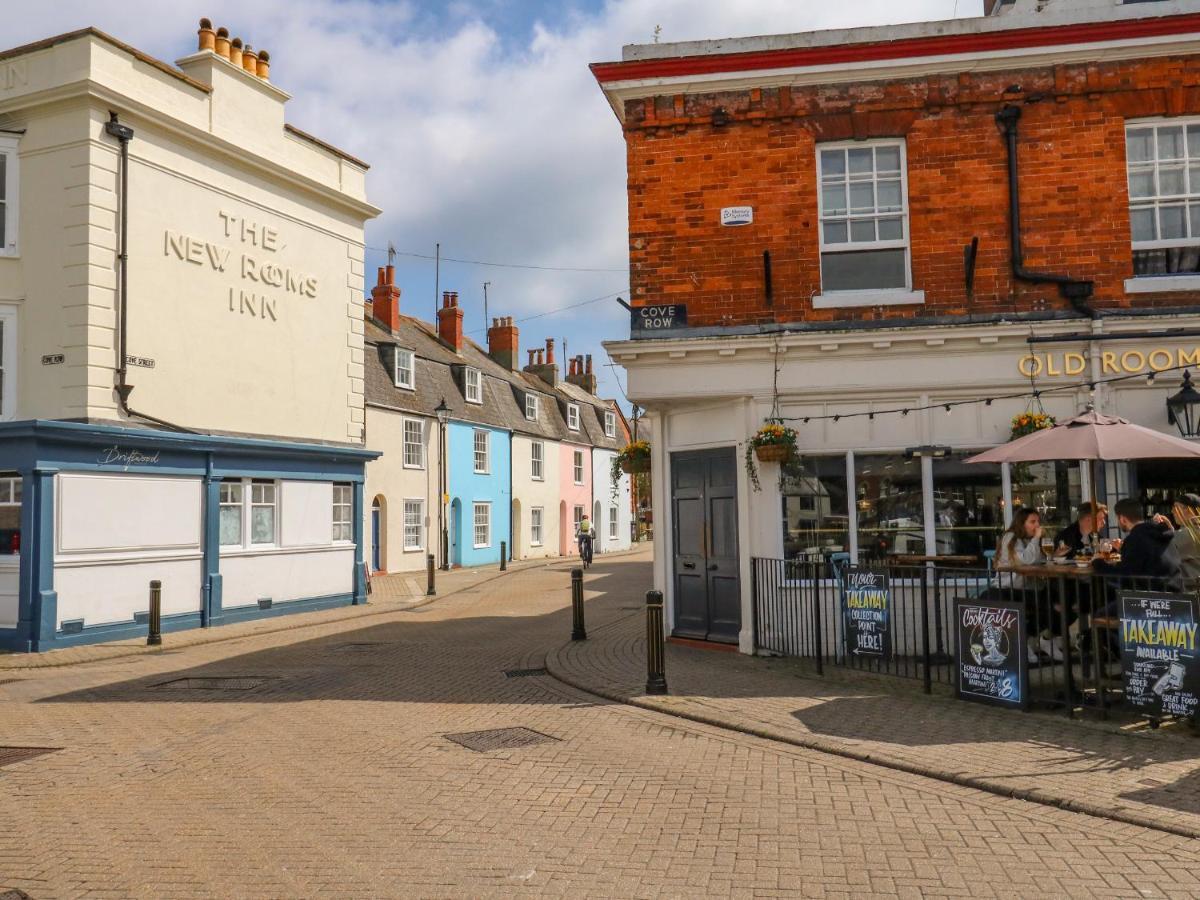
<point>168,244</point>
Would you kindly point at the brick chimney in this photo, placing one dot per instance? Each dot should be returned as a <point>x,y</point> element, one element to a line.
<point>580,373</point>
<point>503,345</point>
<point>385,299</point>
<point>545,368</point>
<point>450,321</point>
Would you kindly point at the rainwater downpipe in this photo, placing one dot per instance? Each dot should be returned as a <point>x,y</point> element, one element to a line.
<point>1076,291</point>
<point>124,134</point>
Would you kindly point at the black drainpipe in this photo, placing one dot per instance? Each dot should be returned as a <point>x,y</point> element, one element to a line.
<point>124,134</point>
<point>1076,291</point>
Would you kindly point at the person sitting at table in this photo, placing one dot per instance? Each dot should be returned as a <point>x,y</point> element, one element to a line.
<point>1183,541</point>
<point>1020,545</point>
<point>1148,560</point>
<point>1093,518</point>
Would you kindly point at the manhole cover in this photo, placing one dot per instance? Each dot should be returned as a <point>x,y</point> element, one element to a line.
<point>213,683</point>
<point>499,739</point>
<point>524,673</point>
<point>10,755</point>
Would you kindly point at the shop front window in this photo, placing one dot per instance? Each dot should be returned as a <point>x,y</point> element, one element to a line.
<point>1052,488</point>
<point>816,519</point>
<point>889,500</point>
<point>10,513</point>
<point>968,502</point>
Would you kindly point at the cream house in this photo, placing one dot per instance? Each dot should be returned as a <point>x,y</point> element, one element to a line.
<point>182,343</point>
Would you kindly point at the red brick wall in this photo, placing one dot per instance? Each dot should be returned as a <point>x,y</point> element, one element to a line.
<point>1074,203</point>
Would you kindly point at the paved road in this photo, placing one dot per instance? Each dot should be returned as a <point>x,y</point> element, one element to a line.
<point>326,770</point>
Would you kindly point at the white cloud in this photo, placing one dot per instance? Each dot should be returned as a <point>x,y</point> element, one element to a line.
<point>499,145</point>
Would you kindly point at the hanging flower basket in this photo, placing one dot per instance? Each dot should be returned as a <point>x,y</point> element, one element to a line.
<point>773,442</point>
<point>635,466</point>
<point>1029,422</point>
<point>634,459</point>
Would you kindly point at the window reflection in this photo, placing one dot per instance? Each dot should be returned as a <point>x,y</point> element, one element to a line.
<point>969,504</point>
<point>815,514</point>
<point>888,497</point>
<point>1052,488</point>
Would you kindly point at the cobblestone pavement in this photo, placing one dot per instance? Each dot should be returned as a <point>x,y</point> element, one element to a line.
<point>1136,775</point>
<point>324,769</point>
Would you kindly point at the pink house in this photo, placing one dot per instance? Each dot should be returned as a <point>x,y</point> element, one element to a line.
<point>575,472</point>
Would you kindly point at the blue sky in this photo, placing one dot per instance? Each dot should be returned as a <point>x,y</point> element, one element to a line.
<point>483,126</point>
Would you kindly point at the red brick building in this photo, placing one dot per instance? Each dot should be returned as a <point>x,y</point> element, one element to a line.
<point>873,229</point>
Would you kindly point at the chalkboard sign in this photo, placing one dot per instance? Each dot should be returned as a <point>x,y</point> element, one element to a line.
<point>660,317</point>
<point>992,662</point>
<point>1158,653</point>
<point>867,614</point>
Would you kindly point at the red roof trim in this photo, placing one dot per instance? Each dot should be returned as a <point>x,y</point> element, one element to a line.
<point>911,48</point>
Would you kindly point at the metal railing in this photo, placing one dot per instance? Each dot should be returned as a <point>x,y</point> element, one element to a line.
<point>1071,622</point>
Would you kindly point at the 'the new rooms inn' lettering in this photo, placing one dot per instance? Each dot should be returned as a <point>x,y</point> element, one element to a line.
<point>262,280</point>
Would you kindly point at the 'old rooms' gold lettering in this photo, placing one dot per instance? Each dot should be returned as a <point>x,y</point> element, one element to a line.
<point>1112,362</point>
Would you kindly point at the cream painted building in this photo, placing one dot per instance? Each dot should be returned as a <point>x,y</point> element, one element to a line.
<point>536,494</point>
<point>193,415</point>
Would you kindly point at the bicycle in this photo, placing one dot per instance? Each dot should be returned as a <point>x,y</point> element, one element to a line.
<point>585,549</point>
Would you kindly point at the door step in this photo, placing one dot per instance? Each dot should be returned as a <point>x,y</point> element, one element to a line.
<point>703,645</point>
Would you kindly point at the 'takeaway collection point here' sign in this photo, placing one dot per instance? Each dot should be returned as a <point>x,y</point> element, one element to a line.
<point>1158,653</point>
<point>992,665</point>
<point>867,614</point>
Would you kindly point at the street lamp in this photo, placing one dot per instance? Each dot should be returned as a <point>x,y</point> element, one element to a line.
<point>1183,408</point>
<point>443,416</point>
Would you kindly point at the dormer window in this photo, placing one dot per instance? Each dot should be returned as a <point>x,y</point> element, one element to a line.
<point>531,407</point>
<point>610,424</point>
<point>404,369</point>
<point>573,416</point>
<point>473,386</point>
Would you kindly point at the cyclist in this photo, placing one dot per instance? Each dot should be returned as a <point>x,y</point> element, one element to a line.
<point>584,536</point>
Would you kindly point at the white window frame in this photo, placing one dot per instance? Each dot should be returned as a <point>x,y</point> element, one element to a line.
<point>8,363</point>
<point>12,200</point>
<point>577,517</point>
<point>573,416</point>
<point>613,530</point>
<point>1189,198</point>
<point>486,507</point>
<point>610,423</point>
<point>531,412</point>
<point>253,504</point>
<point>406,525</point>
<point>342,530</point>
<point>830,298</point>
<point>577,466</point>
<point>473,385</point>
<point>418,460</point>
<point>408,371</point>
<point>239,504</point>
<point>486,451</point>
<point>537,519</point>
<point>11,486</point>
<point>537,460</point>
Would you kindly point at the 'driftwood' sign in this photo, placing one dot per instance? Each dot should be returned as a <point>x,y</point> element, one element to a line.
<point>867,614</point>
<point>663,317</point>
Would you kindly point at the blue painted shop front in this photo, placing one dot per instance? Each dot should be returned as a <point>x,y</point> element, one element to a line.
<point>478,496</point>
<point>39,451</point>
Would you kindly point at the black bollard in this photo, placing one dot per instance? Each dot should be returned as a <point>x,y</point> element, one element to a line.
<point>431,588</point>
<point>154,637</point>
<point>578,632</point>
<point>656,651</point>
<point>504,556</point>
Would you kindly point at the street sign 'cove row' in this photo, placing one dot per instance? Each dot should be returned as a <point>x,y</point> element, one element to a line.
<point>663,317</point>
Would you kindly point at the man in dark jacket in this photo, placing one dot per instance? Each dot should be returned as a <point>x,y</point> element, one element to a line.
<point>1148,561</point>
<point>1093,518</point>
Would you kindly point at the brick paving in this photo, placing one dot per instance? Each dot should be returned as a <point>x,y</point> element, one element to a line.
<point>333,776</point>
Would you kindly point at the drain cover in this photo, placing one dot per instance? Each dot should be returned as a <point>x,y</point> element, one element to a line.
<point>10,755</point>
<point>213,683</point>
<point>524,673</point>
<point>499,739</point>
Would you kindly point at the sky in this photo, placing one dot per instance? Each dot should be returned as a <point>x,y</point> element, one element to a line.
<point>484,129</point>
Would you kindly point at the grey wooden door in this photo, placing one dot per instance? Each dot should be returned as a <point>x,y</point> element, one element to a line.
<point>705,565</point>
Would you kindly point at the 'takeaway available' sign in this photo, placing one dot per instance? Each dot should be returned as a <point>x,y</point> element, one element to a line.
<point>867,614</point>
<point>992,665</point>
<point>1158,653</point>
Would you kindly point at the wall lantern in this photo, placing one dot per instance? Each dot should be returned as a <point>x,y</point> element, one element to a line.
<point>1183,409</point>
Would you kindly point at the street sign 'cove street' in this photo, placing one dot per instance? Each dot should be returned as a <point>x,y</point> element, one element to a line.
<point>663,317</point>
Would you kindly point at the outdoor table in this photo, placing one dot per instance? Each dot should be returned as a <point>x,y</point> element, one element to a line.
<point>957,560</point>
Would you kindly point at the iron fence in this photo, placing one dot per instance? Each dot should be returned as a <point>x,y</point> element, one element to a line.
<point>1071,619</point>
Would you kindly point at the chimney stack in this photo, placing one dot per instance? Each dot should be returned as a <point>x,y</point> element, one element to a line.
<point>450,321</point>
<point>503,343</point>
<point>581,373</point>
<point>544,366</point>
<point>256,64</point>
<point>385,299</point>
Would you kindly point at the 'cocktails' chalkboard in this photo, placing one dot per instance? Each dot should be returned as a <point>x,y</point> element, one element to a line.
<point>1158,653</point>
<point>867,614</point>
<point>992,665</point>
